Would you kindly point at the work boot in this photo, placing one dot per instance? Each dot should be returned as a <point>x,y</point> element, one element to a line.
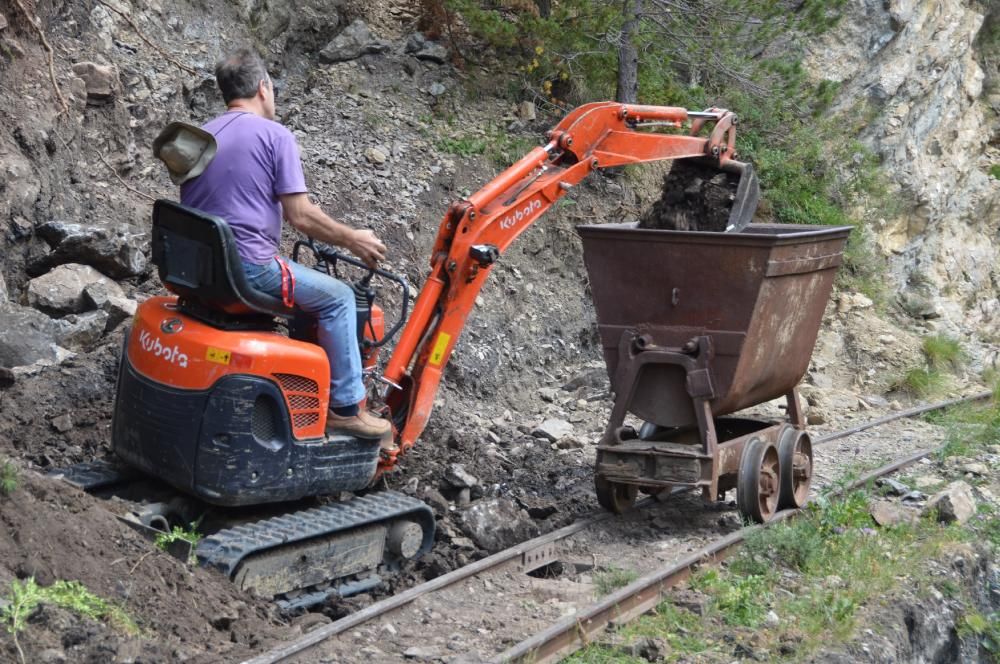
<point>362,425</point>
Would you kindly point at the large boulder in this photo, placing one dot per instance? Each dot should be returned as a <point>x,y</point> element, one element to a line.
<point>116,252</point>
<point>107,296</point>
<point>26,336</point>
<point>553,429</point>
<point>423,49</point>
<point>82,331</point>
<point>953,503</point>
<point>100,81</point>
<point>353,41</point>
<point>62,291</point>
<point>496,524</point>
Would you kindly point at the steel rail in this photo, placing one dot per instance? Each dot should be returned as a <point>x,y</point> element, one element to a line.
<point>566,635</point>
<point>909,412</point>
<point>574,632</point>
<point>524,551</point>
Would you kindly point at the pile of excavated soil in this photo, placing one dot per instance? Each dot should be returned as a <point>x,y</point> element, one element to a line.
<point>53,531</point>
<point>693,198</point>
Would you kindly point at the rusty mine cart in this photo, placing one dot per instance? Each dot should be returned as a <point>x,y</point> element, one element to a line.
<point>694,327</point>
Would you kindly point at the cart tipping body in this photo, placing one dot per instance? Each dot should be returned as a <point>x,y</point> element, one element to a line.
<point>695,326</point>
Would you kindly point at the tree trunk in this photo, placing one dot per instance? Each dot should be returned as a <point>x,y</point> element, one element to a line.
<point>544,8</point>
<point>628,55</point>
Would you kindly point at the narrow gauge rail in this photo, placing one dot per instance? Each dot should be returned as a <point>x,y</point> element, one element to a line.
<point>569,634</point>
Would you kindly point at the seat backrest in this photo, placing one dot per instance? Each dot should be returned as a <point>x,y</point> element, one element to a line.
<point>195,255</point>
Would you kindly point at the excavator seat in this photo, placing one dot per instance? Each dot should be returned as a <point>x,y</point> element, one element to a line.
<point>195,255</point>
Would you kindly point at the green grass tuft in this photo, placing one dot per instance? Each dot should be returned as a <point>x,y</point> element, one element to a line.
<point>740,600</point>
<point>943,352</point>
<point>8,478</point>
<point>613,578</point>
<point>969,427</point>
<point>922,382</point>
<point>178,534</point>
<point>986,629</point>
<point>25,598</point>
<point>501,147</point>
<point>995,171</point>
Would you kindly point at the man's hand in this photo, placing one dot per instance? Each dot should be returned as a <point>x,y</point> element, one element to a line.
<point>366,246</point>
<point>309,219</point>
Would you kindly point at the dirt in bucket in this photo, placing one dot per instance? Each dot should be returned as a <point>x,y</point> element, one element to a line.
<point>694,198</point>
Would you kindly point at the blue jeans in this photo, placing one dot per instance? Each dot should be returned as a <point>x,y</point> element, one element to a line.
<point>331,303</point>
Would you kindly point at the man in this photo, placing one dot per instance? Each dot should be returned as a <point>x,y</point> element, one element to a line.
<point>256,178</point>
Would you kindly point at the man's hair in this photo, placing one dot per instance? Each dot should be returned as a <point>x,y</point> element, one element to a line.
<point>239,73</point>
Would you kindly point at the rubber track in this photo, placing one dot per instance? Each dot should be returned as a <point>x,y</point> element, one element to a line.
<point>225,549</point>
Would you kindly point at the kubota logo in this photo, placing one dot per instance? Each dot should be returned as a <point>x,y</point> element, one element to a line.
<point>172,325</point>
<point>516,217</point>
<point>153,345</point>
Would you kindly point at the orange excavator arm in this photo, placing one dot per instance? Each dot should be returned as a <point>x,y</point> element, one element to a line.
<point>476,231</point>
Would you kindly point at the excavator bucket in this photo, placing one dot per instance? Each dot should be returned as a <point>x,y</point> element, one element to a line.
<point>700,195</point>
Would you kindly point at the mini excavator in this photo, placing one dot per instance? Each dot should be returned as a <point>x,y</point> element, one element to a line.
<point>220,416</point>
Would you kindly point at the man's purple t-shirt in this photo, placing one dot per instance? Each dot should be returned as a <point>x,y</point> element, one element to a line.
<point>257,161</point>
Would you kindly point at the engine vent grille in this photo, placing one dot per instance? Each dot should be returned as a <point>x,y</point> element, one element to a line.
<point>302,420</point>
<point>302,396</point>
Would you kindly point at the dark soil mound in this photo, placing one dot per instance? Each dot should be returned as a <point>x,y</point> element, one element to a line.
<point>52,531</point>
<point>695,198</point>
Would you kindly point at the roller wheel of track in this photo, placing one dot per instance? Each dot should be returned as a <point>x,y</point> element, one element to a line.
<point>796,460</point>
<point>615,496</point>
<point>759,483</point>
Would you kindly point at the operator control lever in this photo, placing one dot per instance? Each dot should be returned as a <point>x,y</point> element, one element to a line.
<point>484,254</point>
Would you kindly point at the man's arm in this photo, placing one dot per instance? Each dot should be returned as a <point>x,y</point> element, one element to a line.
<point>309,219</point>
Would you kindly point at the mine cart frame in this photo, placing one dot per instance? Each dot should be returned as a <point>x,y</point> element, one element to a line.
<point>769,463</point>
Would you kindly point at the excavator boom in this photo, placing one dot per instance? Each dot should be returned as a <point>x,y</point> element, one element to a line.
<point>476,231</point>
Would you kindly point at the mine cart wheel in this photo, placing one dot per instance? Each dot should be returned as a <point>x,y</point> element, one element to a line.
<point>796,459</point>
<point>759,483</point>
<point>615,496</point>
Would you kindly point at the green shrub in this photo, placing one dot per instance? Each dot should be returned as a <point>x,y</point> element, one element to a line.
<point>995,171</point>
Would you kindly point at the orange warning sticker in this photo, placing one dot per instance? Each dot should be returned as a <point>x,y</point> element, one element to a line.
<point>218,355</point>
<point>440,346</point>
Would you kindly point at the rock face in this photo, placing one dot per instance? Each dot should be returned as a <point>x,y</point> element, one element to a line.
<point>915,66</point>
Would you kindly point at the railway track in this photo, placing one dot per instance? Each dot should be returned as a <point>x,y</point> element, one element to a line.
<point>469,600</point>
